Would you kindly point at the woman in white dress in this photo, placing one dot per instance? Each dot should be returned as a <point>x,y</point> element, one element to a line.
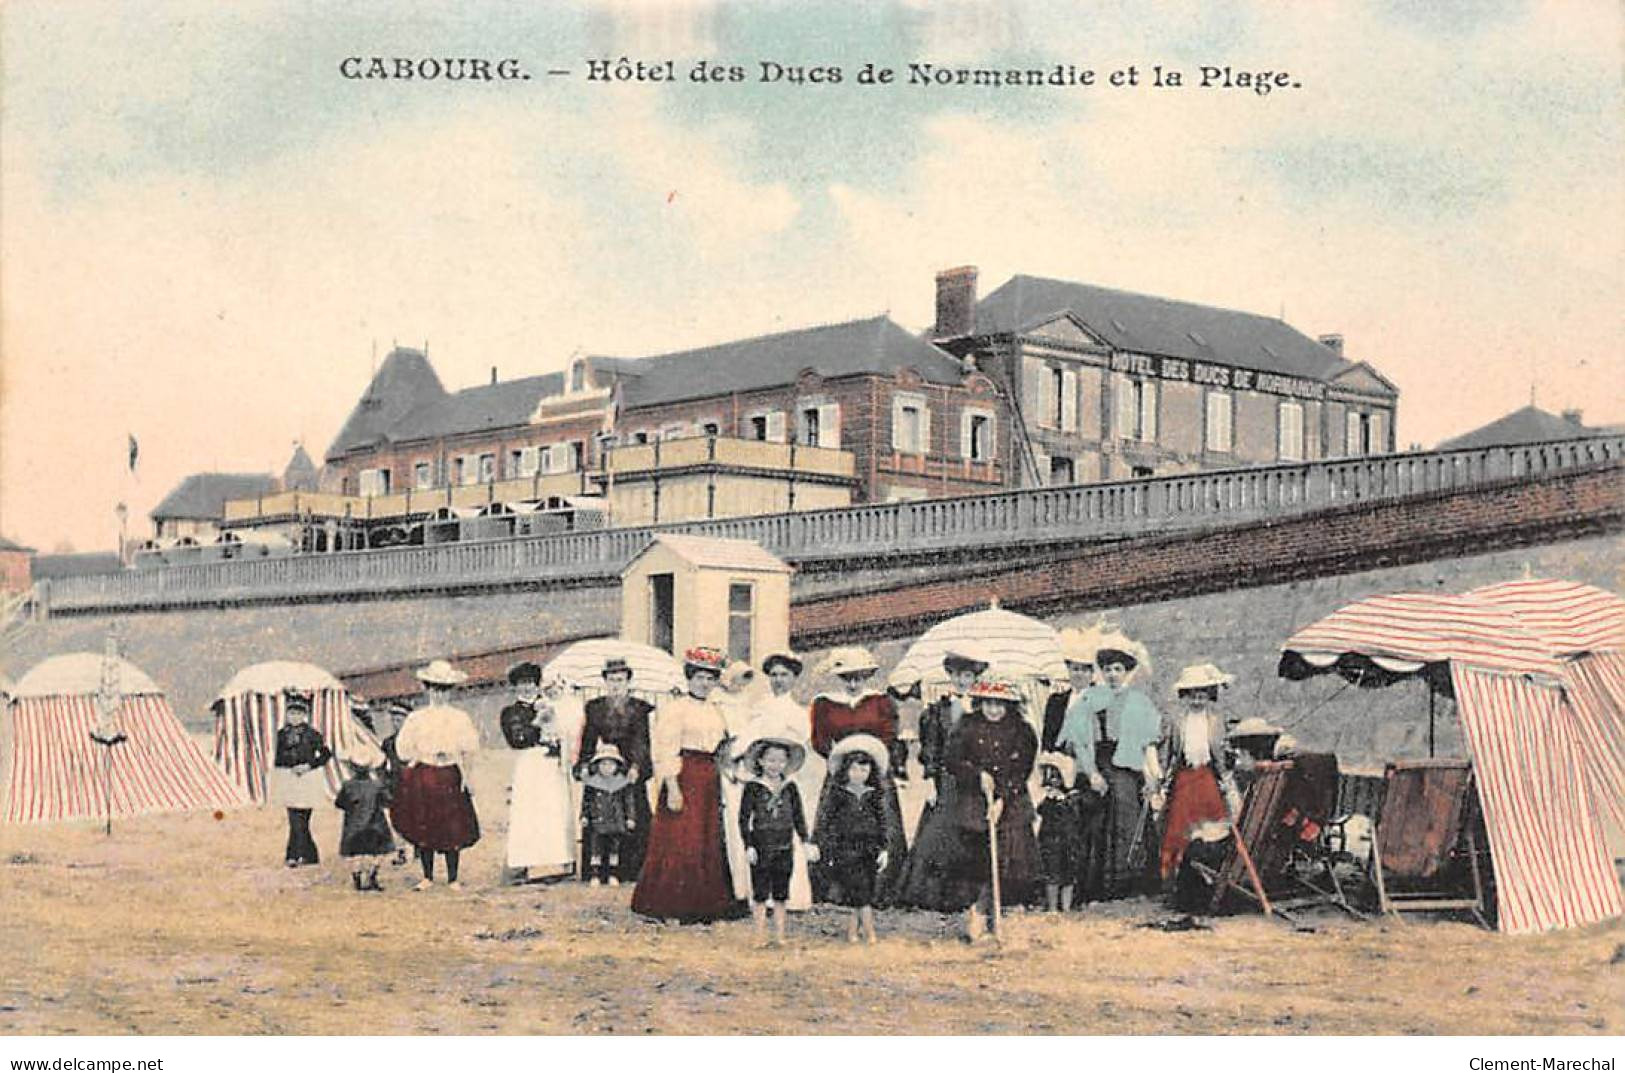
<point>780,716</point>
<point>542,813</point>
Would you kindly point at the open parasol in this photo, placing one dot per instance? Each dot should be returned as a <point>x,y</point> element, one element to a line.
<point>1022,649</point>
<point>655,674</point>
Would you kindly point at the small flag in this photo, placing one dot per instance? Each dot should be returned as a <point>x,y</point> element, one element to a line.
<point>135,451</point>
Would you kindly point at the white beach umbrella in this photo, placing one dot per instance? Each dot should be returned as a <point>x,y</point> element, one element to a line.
<point>654,672</point>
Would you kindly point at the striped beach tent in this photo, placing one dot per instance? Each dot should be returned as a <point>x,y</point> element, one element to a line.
<point>1538,672</point>
<point>251,708</point>
<point>54,771</point>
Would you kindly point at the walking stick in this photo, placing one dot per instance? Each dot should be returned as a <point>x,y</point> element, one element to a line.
<point>994,808</point>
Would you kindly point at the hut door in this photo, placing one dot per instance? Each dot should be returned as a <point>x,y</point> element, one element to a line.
<point>661,612</point>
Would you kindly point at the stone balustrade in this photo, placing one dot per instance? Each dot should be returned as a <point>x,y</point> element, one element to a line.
<point>1075,513</point>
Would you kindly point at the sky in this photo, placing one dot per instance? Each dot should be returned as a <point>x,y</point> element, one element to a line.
<point>208,237</point>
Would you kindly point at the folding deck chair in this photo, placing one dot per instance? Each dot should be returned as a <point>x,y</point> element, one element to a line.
<point>1428,825</point>
<point>1283,824</point>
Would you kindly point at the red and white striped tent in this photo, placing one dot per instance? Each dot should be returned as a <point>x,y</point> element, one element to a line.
<point>56,772</point>
<point>1538,669</point>
<point>252,707</point>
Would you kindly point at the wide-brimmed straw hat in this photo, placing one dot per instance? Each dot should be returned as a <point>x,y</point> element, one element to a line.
<point>868,744</point>
<point>1062,763</point>
<point>1202,676</point>
<point>753,754</point>
<point>439,672</point>
<point>1079,646</point>
<point>783,659</point>
<point>606,751</point>
<point>704,658</point>
<point>850,659</point>
<point>1254,727</point>
<point>996,689</point>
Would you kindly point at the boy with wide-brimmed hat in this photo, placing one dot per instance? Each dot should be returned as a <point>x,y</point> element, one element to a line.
<point>772,819</point>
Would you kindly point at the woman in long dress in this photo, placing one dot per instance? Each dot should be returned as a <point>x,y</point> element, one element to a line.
<point>991,758</point>
<point>297,780</point>
<point>858,708</point>
<point>685,873</point>
<point>780,716</point>
<point>434,807</point>
<point>542,814</point>
<point>929,881</point>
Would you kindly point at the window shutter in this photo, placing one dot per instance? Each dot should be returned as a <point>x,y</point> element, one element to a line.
<point>1148,410</point>
<point>925,430</point>
<point>775,426</point>
<point>1069,400</point>
<point>965,417</point>
<point>1290,426</point>
<point>897,424</point>
<point>1379,435</point>
<point>1124,390</point>
<point>1351,439</point>
<point>829,425</point>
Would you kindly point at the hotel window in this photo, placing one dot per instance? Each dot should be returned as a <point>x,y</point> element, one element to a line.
<point>910,425</point>
<point>516,462</point>
<point>374,482</point>
<point>1219,410</point>
<point>740,598</point>
<point>820,425</point>
<point>1136,409</point>
<point>578,376</point>
<point>488,468</point>
<point>530,461</point>
<point>768,427</point>
<point>976,435</point>
<point>423,475</point>
<point>1063,401</point>
<point>1289,429</point>
<point>1378,436</point>
<point>640,437</point>
<point>1061,470</point>
<point>577,456</point>
<point>1357,430</point>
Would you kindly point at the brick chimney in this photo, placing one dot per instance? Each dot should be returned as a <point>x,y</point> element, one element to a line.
<point>1573,417</point>
<point>1332,341</point>
<point>956,302</point>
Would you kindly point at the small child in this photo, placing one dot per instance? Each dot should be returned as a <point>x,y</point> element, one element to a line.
<point>771,818</point>
<point>366,838</point>
<point>851,836</point>
<point>1060,826</point>
<point>606,813</point>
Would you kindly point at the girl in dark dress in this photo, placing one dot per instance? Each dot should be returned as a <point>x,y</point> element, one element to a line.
<point>991,757</point>
<point>1059,827</point>
<point>851,834</point>
<point>366,838</point>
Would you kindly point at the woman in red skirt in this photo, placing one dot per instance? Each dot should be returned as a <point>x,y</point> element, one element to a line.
<point>434,809</point>
<point>685,868</point>
<point>1200,779</point>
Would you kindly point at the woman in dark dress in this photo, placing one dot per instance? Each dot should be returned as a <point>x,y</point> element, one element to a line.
<point>298,782</point>
<point>617,718</point>
<point>929,879</point>
<point>991,758</point>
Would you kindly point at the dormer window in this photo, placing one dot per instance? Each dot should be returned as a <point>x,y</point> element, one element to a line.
<point>578,375</point>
